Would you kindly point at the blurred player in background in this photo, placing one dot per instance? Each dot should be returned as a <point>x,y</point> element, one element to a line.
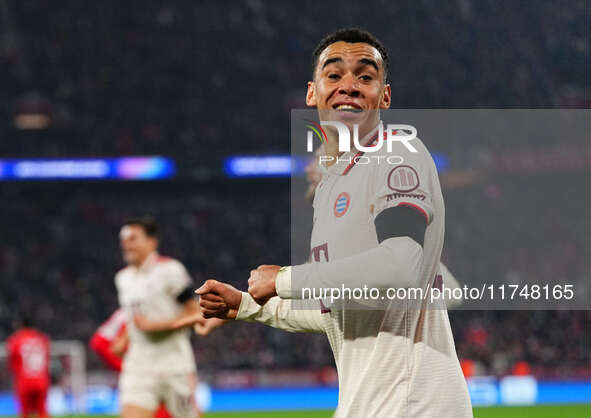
<point>156,296</point>
<point>111,340</point>
<point>397,359</point>
<point>28,356</point>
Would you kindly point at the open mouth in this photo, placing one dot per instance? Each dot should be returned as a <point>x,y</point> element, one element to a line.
<point>347,107</point>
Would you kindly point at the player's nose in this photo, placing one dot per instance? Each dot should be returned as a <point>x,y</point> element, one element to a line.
<point>349,85</point>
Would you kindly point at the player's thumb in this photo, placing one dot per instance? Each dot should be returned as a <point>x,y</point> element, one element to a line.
<point>206,287</point>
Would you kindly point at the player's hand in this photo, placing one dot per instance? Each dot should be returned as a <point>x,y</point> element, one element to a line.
<point>261,284</point>
<point>119,344</point>
<point>201,329</point>
<point>207,326</point>
<point>219,300</point>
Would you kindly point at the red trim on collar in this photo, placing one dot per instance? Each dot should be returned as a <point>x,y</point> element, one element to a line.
<point>359,154</point>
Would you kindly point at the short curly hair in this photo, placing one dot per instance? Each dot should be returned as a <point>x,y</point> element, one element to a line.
<point>350,35</point>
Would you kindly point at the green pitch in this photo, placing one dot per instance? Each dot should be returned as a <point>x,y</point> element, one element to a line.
<point>545,411</point>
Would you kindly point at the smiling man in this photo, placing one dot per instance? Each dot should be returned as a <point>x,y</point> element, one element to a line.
<point>378,226</point>
<point>349,85</point>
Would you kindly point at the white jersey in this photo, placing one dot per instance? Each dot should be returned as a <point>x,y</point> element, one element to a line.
<point>398,361</point>
<point>152,290</point>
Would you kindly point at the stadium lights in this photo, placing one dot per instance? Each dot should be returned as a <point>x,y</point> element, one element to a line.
<point>125,168</point>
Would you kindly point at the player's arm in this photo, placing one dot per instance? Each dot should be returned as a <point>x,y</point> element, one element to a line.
<point>103,348</point>
<point>111,333</point>
<point>394,263</point>
<point>224,301</point>
<point>202,326</point>
<point>190,311</point>
<point>279,313</point>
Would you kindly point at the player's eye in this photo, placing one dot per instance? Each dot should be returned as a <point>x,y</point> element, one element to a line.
<point>366,77</point>
<point>334,76</point>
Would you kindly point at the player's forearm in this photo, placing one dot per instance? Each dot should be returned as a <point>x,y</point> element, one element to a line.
<point>168,325</point>
<point>160,326</point>
<point>101,346</point>
<point>280,314</point>
<point>188,317</point>
<point>395,263</point>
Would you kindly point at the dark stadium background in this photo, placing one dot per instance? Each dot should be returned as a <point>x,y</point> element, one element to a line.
<point>199,81</point>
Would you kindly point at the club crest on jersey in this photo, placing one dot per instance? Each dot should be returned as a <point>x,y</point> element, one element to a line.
<point>341,205</point>
<point>403,179</point>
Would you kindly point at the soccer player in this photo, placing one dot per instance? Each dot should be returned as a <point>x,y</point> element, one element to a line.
<point>398,360</point>
<point>28,356</point>
<point>110,341</point>
<point>156,296</point>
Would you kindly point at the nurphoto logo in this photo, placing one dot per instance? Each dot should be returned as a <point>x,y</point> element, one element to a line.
<point>392,133</point>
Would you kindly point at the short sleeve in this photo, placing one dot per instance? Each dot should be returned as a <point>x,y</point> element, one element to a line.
<point>409,183</point>
<point>178,279</point>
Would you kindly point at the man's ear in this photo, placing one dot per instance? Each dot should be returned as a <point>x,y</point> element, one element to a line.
<point>311,94</point>
<point>386,98</point>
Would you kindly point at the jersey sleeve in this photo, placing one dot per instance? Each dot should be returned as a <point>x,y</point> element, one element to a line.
<point>408,184</point>
<point>282,314</point>
<point>178,279</point>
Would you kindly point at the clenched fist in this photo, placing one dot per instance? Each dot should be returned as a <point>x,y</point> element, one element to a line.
<point>261,284</point>
<point>219,300</point>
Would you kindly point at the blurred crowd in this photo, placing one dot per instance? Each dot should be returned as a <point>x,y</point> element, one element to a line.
<point>522,231</point>
<point>178,78</point>
<point>59,254</point>
<point>547,344</point>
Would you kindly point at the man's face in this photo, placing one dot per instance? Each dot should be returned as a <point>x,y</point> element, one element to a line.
<point>136,246</point>
<point>349,84</point>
